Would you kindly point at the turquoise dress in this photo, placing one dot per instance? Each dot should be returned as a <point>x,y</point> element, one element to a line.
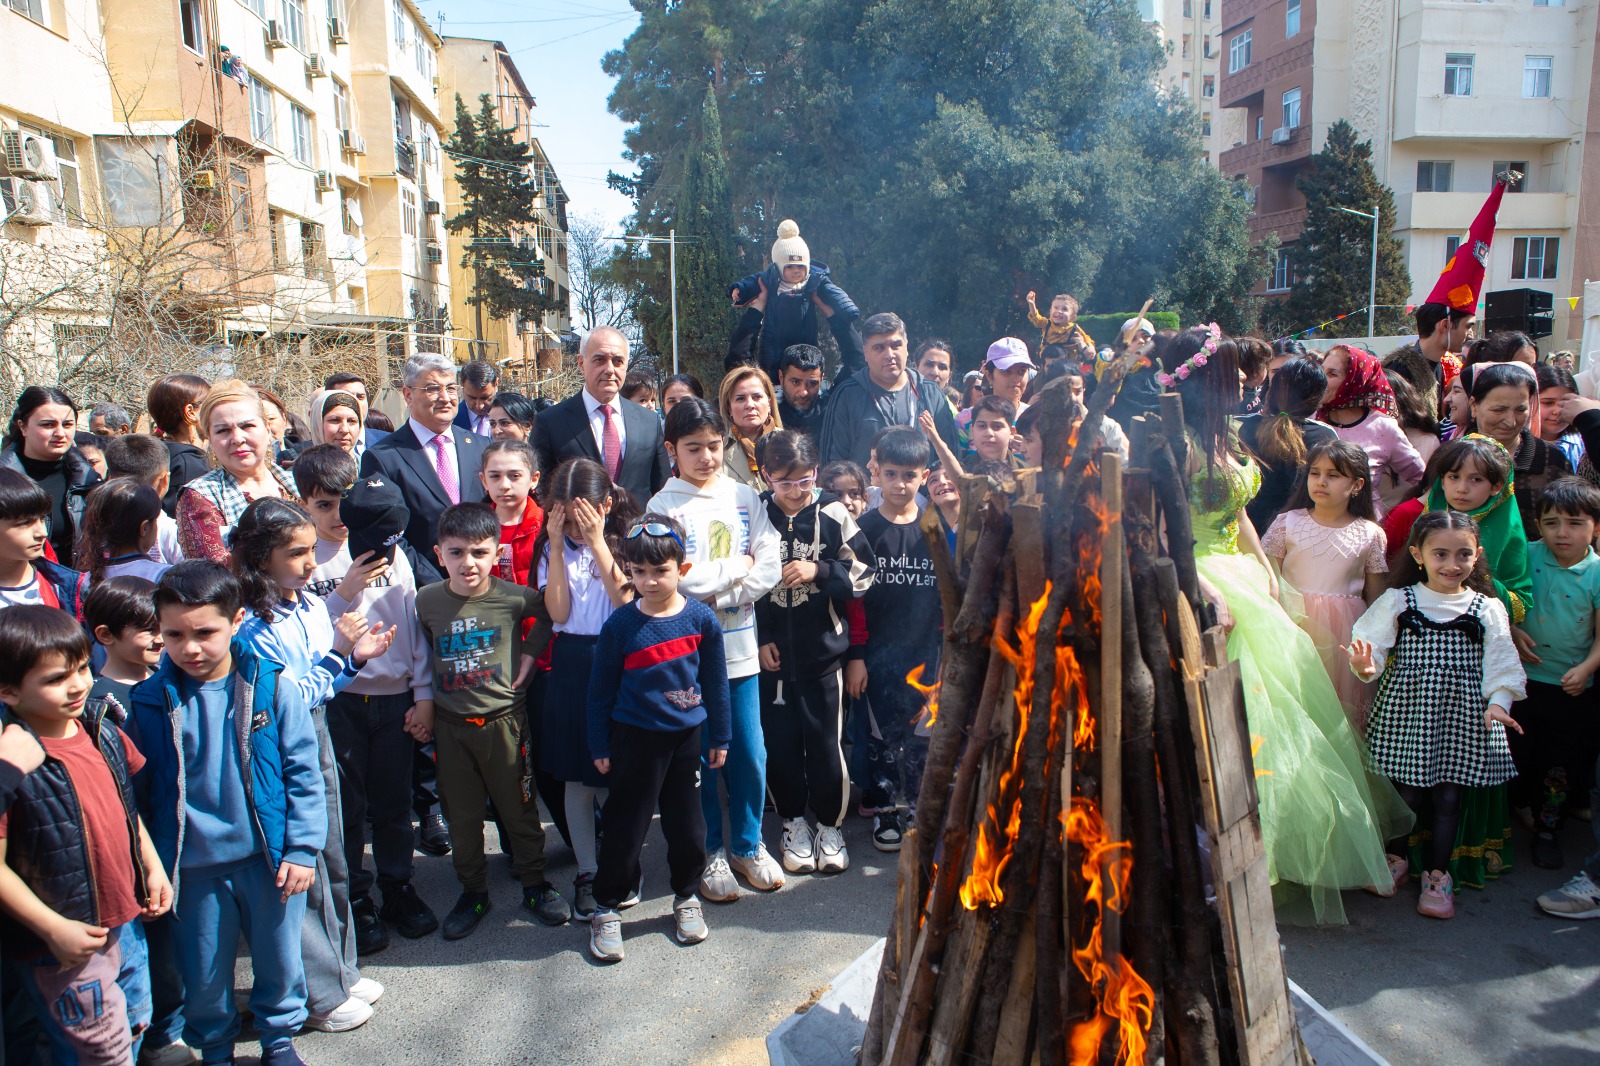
<point>1324,817</point>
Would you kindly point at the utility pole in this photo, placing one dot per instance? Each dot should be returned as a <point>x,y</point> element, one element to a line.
<point>671,241</point>
<point>1372,280</point>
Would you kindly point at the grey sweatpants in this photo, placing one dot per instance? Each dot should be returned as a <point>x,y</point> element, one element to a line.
<point>327,936</point>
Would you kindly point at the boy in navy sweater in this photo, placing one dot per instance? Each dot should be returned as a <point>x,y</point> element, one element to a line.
<point>659,676</point>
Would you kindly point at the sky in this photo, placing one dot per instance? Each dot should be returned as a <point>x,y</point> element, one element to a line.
<point>557,45</point>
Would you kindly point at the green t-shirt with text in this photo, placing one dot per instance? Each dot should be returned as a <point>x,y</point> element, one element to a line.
<point>476,646</point>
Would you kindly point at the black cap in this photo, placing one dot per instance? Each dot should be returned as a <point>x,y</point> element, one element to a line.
<point>376,515</point>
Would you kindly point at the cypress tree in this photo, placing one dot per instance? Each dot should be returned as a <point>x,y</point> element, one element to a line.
<point>708,262</point>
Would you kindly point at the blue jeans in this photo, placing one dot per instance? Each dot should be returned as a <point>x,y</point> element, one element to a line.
<point>214,904</point>
<point>745,771</point>
<point>96,1011</point>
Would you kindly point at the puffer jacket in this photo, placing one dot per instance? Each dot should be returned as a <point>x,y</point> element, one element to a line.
<point>45,841</point>
<point>278,761</point>
<point>791,318</point>
<point>854,416</point>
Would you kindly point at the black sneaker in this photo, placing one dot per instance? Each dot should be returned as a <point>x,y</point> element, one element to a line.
<point>1547,852</point>
<point>546,904</point>
<point>583,904</point>
<point>411,917</point>
<point>371,936</point>
<point>886,830</point>
<point>465,915</point>
<point>281,1055</point>
<point>433,836</point>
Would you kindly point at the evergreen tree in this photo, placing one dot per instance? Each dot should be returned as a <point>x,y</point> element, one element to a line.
<point>497,207</point>
<point>1333,261</point>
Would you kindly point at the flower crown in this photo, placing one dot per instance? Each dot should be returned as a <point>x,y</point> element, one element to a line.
<point>1207,350</point>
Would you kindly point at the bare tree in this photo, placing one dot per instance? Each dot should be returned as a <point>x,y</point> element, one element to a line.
<point>599,289</point>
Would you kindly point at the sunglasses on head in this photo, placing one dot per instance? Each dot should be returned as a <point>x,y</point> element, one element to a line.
<point>656,529</point>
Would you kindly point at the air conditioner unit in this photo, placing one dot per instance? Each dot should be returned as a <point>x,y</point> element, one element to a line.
<point>1282,134</point>
<point>276,38</point>
<point>29,155</point>
<point>34,204</point>
<point>325,181</point>
<point>352,142</point>
<point>203,179</point>
<point>434,252</point>
<point>430,207</point>
<point>338,32</point>
<point>316,66</point>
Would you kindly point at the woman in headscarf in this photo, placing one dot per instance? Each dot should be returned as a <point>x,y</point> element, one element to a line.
<point>1359,405</point>
<point>335,418</point>
<point>1504,397</point>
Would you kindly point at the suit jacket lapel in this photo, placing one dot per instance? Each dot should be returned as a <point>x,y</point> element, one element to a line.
<point>421,460</point>
<point>581,430</point>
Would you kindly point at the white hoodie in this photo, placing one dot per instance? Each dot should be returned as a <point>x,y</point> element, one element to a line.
<point>724,522</point>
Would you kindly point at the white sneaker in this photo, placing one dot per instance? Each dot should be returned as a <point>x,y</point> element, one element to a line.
<point>367,991</point>
<point>176,1053</point>
<point>690,921</point>
<point>1578,898</point>
<point>832,856</point>
<point>763,874</point>
<point>717,883</point>
<point>351,1014</point>
<point>799,856</point>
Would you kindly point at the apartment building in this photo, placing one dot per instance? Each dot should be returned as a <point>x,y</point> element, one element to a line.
<point>473,68</point>
<point>1450,93</point>
<point>1190,32</point>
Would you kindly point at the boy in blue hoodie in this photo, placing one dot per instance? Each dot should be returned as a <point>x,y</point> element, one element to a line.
<point>233,796</point>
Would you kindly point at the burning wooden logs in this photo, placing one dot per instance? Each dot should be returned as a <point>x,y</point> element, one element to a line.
<point>1053,902</point>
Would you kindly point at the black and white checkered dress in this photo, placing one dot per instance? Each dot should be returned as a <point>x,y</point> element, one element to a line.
<point>1426,726</point>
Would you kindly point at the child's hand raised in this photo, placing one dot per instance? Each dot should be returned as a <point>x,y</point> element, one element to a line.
<point>349,628</point>
<point>294,879</point>
<point>373,644</point>
<point>588,525</point>
<point>1360,653</point>
<point>1497,713</point>
<point>555,526</point>
<point>929,428</point>
<point>362,573</point>
<point>1033,297</point>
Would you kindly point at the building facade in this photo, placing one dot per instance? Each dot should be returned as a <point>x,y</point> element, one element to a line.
<point>1451,94</point>
<point>1190,33</point>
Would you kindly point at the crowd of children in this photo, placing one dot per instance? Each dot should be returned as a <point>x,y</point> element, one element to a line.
<point>201,750</point>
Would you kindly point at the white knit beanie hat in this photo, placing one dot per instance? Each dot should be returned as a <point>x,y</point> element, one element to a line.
<point>789,249</point>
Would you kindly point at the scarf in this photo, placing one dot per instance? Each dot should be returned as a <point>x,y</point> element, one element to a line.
<point>318,408</point>
<point>1505,543</point>
<point>1364,386</point>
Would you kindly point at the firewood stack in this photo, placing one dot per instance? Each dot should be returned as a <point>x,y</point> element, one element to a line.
<point>1054,902</point>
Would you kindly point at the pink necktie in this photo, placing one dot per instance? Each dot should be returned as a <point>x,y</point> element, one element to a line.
<point>447,474</point>
<point>611,443</point>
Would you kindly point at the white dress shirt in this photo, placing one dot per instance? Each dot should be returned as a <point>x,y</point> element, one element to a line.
<point>597,423</point>
<point>426,435</point>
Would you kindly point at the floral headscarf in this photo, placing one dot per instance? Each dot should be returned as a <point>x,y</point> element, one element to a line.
<point>1364,384</point>
<point>1451,366</point>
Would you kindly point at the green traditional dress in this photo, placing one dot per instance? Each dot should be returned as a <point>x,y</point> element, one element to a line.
<point>1324,818</point>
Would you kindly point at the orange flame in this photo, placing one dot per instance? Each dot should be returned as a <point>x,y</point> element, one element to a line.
<point>1256,741</point>
<point>1125,999</point>
<point>996,834</point>
<point>930,693</point>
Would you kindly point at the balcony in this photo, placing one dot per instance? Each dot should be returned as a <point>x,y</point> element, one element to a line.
<point>1288,225</point>
<point>1265,70</point>
<point>1454,211</point>
<point>1257,155</point>
<point>405,159</point>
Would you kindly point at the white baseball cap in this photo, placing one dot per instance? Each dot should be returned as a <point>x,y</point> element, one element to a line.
<point>1008,352</point>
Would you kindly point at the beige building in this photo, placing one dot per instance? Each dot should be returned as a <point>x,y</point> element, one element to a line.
<point>472,68</point>
<point>1190,31</point>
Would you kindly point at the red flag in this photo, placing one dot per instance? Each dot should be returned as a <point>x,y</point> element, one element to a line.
<point>1462,277</point>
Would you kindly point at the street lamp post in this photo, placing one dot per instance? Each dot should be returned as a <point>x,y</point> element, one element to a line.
<point>1372,281</point>
<point>671,241</point>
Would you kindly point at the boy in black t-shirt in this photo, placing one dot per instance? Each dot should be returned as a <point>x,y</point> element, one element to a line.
<point>903,634</point>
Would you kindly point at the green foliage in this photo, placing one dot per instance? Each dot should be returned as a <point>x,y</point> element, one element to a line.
<point>943,166</point>
<point>1106,328</point>
<point>497,209</point>
<point>1333,261</point>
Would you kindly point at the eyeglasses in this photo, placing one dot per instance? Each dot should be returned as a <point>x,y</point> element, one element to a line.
<point>656,529</point>
<point>433,392</point>
<point>805,484</point>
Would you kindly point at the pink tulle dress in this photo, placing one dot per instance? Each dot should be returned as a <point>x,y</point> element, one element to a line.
<point>1328,567</point>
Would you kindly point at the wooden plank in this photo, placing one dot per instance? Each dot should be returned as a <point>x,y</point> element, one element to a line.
<point>1189,633</point>
<point>1232,778</point>
<point>973,488</point>
<point>1011,1046</point>
<point>1029,548</point>
<point>1113,558</point>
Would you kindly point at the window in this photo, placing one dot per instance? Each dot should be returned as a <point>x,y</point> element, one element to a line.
<point>1536,77</point>
<point>239,195</point>
<point>1458,75</point>
<point>408,212</point>
<point>275,228</point>
<point>1291,109</point>
<point>1548,3</point>
<point>1261,126</point>
<point>1534,258</point>
<point>313,248</point>
<point>191,18</point>
<point>1291,18</point>
<point>300,124</point>
<point>426,64</point>
<point>258,6</point>
<point>1205,124</point>
<point>1451,246</point>
<point>1207,44</point>
<point>337,9</point>
<point>69,198</point>
<point>260,110</point>
<point>1239,52</point>
<point>1208,86</point>
<point>1516,166</point>
<point>292,20</point>
<point>1282,272</point>
<point>1188,9</point>
<point>32,9</point>
<point>1186,84</point>
<point>1434,175</point>
<point>1188,46</point>
<point>399,25</point>
<point>1208,9</point>
<point>341,106</point>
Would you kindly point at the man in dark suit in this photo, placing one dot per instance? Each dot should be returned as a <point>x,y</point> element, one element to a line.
<point>480,383</point>
<point>345,381</point>
<point>597,424</point>
<point>433,461</point>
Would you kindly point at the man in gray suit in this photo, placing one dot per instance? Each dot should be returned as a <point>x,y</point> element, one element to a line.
<point>598,424</point>
<point>433,461</point>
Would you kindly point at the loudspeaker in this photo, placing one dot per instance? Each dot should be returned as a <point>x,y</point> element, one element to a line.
<point>1527,310</point>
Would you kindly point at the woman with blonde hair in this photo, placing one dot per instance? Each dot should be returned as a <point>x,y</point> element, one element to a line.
<point>235,426</point>
<point>750,408</point>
